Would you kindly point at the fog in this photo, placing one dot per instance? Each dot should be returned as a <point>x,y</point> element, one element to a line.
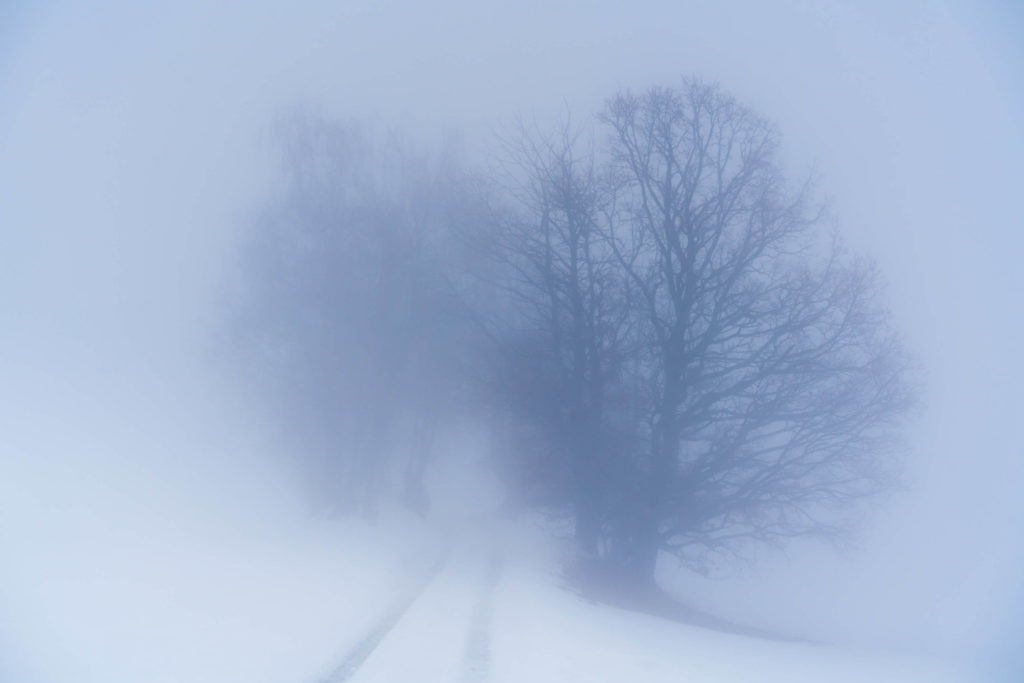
<point>153,519</point>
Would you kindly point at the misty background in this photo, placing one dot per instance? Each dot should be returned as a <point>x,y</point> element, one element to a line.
<point>136,144</point>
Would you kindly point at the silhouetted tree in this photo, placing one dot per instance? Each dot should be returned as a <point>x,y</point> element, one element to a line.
<point>773,380</point>
<point>758,386</point>
<point>562,336</point>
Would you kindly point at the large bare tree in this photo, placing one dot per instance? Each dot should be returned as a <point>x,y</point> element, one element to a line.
<point>774,383</point>
<point>721,371</point>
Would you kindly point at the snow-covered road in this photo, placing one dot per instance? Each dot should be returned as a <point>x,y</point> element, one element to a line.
<point>440,632</point>
<point>504,617</point>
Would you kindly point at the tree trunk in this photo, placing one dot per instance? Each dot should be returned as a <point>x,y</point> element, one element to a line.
<point>634,548</point>
<point>587,525</point>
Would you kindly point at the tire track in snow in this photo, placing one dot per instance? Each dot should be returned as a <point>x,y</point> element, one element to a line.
<point>478,647</point>
<point>364,648</point>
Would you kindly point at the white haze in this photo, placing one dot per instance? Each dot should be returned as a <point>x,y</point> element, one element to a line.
<point>134,143</point>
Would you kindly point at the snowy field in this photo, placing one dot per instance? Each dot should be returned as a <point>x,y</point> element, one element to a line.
<point>147,599</point>
<point>194,566</point>
<point>142,602</point>
<point>546,634</point>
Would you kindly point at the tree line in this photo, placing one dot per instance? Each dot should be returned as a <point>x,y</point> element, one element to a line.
<point>670,343</point>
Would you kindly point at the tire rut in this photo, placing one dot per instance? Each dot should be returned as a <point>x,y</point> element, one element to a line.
<point>355,657</point>
<point>478,646</point>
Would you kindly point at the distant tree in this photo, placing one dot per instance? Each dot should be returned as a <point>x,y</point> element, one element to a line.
<point>345,317</point>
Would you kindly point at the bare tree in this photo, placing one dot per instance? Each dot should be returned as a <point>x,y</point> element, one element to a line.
<point>562,340</point>
<point>346,314</point>
<point>709,367</point>
<point>773,383</point>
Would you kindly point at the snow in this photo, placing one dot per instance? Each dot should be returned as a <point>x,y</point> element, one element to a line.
<point>153,608</point>
<point>119,570</point>
<point>137,550</point>
<point>544,633</point>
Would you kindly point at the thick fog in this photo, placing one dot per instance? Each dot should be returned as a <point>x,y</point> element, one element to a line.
<point>156,519</point>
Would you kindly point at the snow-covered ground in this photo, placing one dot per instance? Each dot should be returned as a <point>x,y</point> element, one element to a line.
<point>184,567</point>
<point>544,633</point>
<point>141,604</point>
<point>144,604</point>
<point>139,548</point>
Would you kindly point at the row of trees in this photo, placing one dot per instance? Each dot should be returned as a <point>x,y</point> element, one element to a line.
<point>674,349</point>
<point>344,326</point>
